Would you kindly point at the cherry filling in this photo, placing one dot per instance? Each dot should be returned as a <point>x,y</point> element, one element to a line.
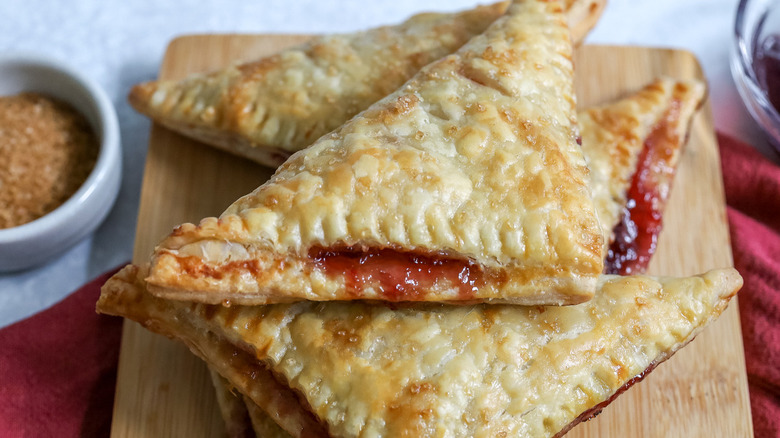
<point>636,235</point>
<point>405,276</point>
<point>399,276</point>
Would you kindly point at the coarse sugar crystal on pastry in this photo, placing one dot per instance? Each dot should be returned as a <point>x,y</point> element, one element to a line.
<point>368,369</point>
<point>268,108</point>
<point>465,185</point>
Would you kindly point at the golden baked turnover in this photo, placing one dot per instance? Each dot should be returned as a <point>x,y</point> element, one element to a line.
<point>352,369</point>
<point>269,108</point>
<point>467,184</point>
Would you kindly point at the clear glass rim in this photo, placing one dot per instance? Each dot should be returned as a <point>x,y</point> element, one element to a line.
<point>744,58</point>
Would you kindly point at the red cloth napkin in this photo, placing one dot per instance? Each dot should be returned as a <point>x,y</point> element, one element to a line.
<point>753,197</point>
<point>58,369</point>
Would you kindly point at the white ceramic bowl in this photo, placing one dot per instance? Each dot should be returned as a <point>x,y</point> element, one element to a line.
<point>36,242</point>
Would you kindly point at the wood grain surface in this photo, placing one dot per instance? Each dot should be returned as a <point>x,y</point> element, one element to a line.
<point>164,391</point>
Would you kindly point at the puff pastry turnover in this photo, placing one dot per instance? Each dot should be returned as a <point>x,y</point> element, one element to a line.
<point>432,370</point>
<point>466,184</point>
<point>613,136</point>
<point>269,108</point>
<point>632,147</point>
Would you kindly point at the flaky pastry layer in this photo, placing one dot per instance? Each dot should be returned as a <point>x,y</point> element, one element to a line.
<point>126,293</point>
<point>474,159</point>
<point>234,409</point>
<point>613,136</point>
<point>435,370</point>
<point>267,109</point>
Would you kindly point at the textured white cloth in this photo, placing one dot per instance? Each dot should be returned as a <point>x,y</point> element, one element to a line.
<point>120,43</point>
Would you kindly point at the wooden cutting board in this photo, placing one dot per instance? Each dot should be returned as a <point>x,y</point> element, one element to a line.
<point>164,391</point>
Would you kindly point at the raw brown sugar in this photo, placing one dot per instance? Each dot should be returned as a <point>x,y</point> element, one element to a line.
<point>47,150</point>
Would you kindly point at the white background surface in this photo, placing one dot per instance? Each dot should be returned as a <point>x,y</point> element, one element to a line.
<point>120,43</point>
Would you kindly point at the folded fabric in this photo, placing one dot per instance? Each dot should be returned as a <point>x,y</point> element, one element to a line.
<point>58,369</point>
<point>753,196</point>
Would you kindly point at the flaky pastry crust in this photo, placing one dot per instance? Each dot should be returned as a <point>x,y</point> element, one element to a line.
<point>243,418</point>
<point>474,159</point>
<point>233,408</point>
<point>267,109</point>
<point>125,292</point>
<point>434,370</point>
<point>262,423</point>
<point>613,136</point>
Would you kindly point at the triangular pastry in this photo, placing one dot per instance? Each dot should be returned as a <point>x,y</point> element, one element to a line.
<point>467,184</point>
<point>124,293</point>
<point>612,137</point>
<point>238,368</point>
<point>267,109</point>
<point>366,369</point>
<point>632,147</point>
<point>639,219</point>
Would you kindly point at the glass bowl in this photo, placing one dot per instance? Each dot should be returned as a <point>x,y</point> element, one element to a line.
<point>755,62</point>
